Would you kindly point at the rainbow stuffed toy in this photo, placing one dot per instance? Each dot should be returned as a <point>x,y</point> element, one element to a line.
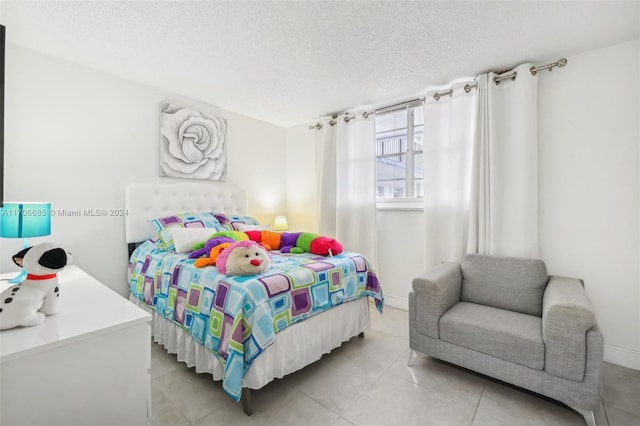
<point>309,242</point>
<point>208,252</point>
<point>217,238</point>
<point>296,242</point>
<point>270,240</point>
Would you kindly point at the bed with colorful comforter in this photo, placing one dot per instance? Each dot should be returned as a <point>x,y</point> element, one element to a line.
<point>238,317</point>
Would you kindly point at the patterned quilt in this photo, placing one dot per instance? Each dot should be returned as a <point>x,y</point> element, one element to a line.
<point>238,316</point>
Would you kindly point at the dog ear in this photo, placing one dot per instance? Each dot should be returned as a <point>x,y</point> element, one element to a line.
<point>53,259</point>
<point>17,258</point>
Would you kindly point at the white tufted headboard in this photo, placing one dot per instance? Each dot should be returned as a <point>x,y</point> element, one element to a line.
<point>146,201</point>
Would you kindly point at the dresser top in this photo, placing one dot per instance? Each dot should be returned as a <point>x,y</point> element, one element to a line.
<point>87,308</point>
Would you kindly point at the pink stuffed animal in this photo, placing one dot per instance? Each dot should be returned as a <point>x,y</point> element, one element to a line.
<point>243,258</point>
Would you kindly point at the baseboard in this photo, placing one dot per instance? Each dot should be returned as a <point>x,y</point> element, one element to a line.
<point>396,302</point>
<point>622,356</point>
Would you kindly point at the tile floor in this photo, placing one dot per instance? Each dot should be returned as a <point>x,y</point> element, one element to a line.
<point>367,382</point>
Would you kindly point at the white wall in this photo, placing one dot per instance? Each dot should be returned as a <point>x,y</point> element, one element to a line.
<point>75,137</point>
<point>589,137</point>
<point>589,158</point>
<point>302,210</point>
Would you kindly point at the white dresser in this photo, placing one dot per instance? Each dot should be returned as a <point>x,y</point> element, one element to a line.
<point>88,365</point>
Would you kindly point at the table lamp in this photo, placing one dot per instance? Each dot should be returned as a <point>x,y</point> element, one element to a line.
<point>280,224</point>
<point>24,220</point>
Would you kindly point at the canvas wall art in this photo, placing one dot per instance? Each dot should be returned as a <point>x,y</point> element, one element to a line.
<point>192,144</point>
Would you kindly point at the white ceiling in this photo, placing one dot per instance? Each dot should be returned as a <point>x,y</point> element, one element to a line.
<point>289,62</point>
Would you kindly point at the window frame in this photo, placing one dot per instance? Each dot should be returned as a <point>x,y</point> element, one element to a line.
<point>410,202</point>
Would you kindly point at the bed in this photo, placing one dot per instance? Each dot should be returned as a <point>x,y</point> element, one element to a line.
<point>244,330</point>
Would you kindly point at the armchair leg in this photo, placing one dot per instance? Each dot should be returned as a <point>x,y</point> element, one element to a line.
<point>412,357</point>
<point>589,417</point>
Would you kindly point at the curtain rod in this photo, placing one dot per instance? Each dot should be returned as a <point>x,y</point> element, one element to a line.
<point>533,70</point>
<point>467,88</point>
<point>366,114</point>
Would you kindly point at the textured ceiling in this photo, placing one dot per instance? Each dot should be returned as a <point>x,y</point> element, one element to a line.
<point>289,62</point>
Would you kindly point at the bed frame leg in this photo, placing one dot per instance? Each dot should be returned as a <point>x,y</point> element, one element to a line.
<point>246,401</point>
<point>361,335</point>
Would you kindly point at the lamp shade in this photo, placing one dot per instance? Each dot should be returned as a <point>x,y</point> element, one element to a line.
<point>280,224</point>
<point>25,220</point>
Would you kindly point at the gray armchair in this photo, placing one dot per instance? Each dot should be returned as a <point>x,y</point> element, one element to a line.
<point>506,318</point>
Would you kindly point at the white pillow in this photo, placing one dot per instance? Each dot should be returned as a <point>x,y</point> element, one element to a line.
<point>245,227</point>
<point>185,238</point>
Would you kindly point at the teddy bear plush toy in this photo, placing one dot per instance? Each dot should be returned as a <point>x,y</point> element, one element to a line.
<point>27,303</point>
<point>243,258</point>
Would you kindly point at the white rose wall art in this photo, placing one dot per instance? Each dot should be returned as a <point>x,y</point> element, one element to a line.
<point>192,144</point>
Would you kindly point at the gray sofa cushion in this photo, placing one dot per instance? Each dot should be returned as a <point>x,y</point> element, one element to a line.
<point>508,335</point>
<point>504,282</point>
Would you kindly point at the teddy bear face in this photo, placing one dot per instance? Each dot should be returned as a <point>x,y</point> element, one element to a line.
<point>247,259</point>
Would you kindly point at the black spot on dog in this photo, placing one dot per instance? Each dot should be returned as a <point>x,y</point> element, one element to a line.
<point>8,300</point>
<point>15,290</point>
<point>0,310</point>
<point>58,295</point>
<point>56,289</point>
<point>53,259</point>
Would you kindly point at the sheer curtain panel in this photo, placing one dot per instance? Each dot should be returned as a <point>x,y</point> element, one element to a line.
<point>326,175</point>
<point>504,212</point>
<point>449,133</point>
<point>355,192</point>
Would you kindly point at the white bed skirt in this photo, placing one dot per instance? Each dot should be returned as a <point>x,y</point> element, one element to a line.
<point>295,347</point>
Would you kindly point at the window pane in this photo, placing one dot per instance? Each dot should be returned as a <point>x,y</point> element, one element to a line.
<point>399,153</point>
<point>418,171</point>
<point>391,176</point>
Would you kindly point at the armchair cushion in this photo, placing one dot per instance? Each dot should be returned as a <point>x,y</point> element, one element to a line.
<point>509,283</point>
<point>511,336</point>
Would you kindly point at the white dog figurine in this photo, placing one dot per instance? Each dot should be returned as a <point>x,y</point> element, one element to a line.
<point>27,303</point>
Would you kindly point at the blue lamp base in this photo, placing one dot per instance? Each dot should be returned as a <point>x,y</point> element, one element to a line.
<point>18,278</point>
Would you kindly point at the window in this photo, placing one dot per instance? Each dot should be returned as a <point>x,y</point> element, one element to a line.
<point>399,138</point>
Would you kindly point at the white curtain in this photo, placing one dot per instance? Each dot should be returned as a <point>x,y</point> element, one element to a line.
<point>504,212</point>
<point>356,190</point>
<point>449,134</point>
<point>326,174</point>
<point>346,161</point>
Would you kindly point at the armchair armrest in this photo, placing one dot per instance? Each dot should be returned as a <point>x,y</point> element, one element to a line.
<point>567,315</point>
<point>436,290</point>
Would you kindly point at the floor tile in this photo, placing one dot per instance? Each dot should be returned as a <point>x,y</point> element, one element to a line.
<point>293,409</point>
<point>621,388</point>
<point>395,401</point>
<point>341,421</point>
<point>617,417</point>
<point>194,394</point>
<point>483,419</point>
<point>522,408</point>
<point>375,351</point>
<point>163,412</point>
<point>449,380</point>
<point>391,321</point>
<point>161,361</point>
<point>336,389</point>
